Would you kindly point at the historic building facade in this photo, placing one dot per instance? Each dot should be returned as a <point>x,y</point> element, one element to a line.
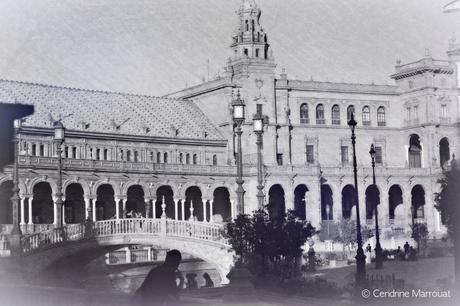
<point>127,154</point>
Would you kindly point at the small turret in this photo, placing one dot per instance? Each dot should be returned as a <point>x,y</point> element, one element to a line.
<point>249,39</point>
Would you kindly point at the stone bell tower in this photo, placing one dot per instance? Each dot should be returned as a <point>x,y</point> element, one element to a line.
<point>252,69</point>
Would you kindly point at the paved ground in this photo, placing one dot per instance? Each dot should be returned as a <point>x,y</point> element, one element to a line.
<point>425,273</point>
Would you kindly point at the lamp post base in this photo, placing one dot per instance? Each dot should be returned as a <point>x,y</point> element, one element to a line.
<point>378,257</point>
<point>360,267</point>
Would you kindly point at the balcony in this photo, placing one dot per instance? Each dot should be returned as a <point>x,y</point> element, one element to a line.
<point>381,123</point>
<point>321,121</point>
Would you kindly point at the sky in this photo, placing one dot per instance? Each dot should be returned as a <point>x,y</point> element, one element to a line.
<point>158,46</point>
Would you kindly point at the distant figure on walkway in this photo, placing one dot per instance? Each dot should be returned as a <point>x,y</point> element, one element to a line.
<point>191,281</point>
<point>369,248</point>
<point>208,281</point>
<point>406,250</point>
<point>160,287</point>
<point>368,255</point>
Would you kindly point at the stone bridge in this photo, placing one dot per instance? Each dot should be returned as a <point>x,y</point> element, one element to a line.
<point>92,239</point>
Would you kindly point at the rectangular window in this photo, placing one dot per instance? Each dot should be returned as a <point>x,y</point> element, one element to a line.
<point>279,159</point>
<point>378,155</point>
<point>415,112</point>
<point>344,154</point>
<point>408,113</point>
<point>257,52</point>
<point>310,154</point>
<point>443,111</point>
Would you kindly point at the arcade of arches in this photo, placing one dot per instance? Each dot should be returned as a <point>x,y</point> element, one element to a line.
<point>38,207</point>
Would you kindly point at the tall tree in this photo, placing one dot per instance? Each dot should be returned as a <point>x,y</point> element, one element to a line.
<point>448,203</point>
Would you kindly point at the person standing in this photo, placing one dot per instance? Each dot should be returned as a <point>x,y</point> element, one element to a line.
<point>208,281</point>
<point>160,287</point>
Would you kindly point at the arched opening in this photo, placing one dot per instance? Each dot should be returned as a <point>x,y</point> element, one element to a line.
<point>214,160</point>
<point>165,195</point>
<point>6,206</point>
<point>381,120</point>
<point>348,201</point>
<point>335,113</point>
<point>135,202</point>
<point>320,114</point>
<point>158,157</point>
<point>105,202</point>
<point>304,113</point>
<point>300,194</point>
<point>350,110</point>
<point>165,157</point>
<point>42,204</point>
<point>418,202</point>
<point>366,115</point>
<point>187,158</point>
<point>444,152</point>
<point>74,205</point>
<point>222,204</point>
<point>372,200</point>
<point>415,152</point>
<point>193,197</point>
<point>195,159</point>
<point>394,199</point>
<point>276,204</point>
<point>326,203</point>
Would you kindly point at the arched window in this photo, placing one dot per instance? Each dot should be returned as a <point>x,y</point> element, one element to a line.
<point>444,152</point>
<point>247,25</point>
<point>106,154</point>
<point>165,157</point>
<point>381,121</point>
<point>74,152</point>
<point>42,150</point>
<point>366,115</point>
<point>253,25</point>
<point>158,157</point>
<point>195,159</point>
<point>350,110</point>
<point>320,114</point>
<point>187,158</point>
<point>181,158</point>
<point>136,156</point>
<point>415,152</point>
<point>336,114</point>
<point>304,113</point>
<point>34,149</point>
<point>128,155</point>
<point>214,160</point>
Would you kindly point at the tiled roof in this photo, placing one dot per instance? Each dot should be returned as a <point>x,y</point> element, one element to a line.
<point>109,112</point>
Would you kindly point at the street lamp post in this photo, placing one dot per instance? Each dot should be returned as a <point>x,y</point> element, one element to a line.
<point>59,134</point>
<point>360,257</point>
<point>378,247</point>
<point>238,118</point>
<point>15,237</point>
<point>259,131</point>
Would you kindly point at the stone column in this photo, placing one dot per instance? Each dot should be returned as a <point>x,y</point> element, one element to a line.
<point>117,208</point>
<point>87,208</point>
<point>182,206</point>
<point>176,213</point>
<point>123,207</point>
<point>30,210</point>
<point>191,210</point>
<point>22,222</point>
<point>337,204</point>
<point>211,210</point>
<point>232,208</point>
<point>148,208</point>
<point>94,210</point>
<point>204,211</point>
<point>55,211</point>
<point>154,208</point>
<point>63,211</point>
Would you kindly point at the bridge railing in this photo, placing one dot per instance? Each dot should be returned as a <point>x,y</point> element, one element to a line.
<point>159,227</point>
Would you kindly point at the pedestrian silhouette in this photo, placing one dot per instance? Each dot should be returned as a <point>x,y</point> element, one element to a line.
<point>406,250</point>
<point>191,281</point>
<point>160,287</point>
<point>208,281</point>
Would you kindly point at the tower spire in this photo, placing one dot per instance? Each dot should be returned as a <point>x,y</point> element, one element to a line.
<point>249,39</point>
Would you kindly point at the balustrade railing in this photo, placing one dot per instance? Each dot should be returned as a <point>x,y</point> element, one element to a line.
<point>161,227</point>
